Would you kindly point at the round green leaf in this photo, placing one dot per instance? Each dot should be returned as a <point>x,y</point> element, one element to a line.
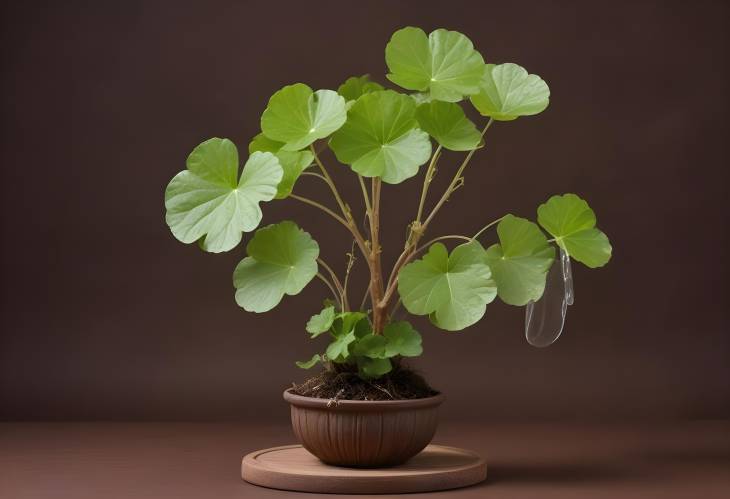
<point>371,345</point>
<point>321,322</point>
<point>262,143</point>
<point>453,289</point>
<point>356,86</point>
<point>521,261</point>
<point>508,92</point>
<point>402,340</point>
<point>571,222</point>
<point>297,116</point>
<point>339,350</point>
<point>447,123</point>
<point>209,201</point>
<point>445,63</point>
<point>282,260</point>
<point>380,138</point>
<point>373,368</point>
<point>292,162</point>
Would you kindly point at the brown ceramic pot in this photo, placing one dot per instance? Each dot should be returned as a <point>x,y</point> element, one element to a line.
<point>361,433</point>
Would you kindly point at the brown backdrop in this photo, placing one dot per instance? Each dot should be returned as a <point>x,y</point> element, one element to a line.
<point>106,316</point>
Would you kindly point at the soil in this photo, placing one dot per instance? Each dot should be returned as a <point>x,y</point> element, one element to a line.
<point>343,383</point>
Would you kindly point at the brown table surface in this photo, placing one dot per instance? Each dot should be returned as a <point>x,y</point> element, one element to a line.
<point>202,460</point>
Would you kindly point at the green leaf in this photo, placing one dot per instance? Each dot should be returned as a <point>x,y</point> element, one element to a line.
<point>297,116</point>
<point>209,201</point>
<point>282,260</point>
<point>373,368</point>
<point>292,162</point>
<point>508,92</point>
<point>521,261</point>
<point>402,340</point>
<point>447,123</point>
<point>453,289</point>
<point>338,351</point>
<point>380,138</point>
<point>356,86</point>
<point>346,322</point>
<point>572,222</point>
<point>264,144</point>
<point>308,364</point>
<point>371,345</point>
<point>445,63</point>
<point>321,322</point>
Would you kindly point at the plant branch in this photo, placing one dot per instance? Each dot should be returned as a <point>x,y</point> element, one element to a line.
<point>335,280</point>
<point>376,272</point>
<point>417,231</point>
<point>350,264</point>
<point>455,182</point>
<point>366,197</point>
<point>428,178</point>
<point>332,289</point>
<point>490,224</point>
<point>314,174</point>
<point>322,207</point>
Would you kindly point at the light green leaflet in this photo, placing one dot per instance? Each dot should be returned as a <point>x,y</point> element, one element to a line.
<point>292,162</point>
<point>572,222</point>
<point>209,201</point>
<point>520,261</point>
<point>380,138</point>
<point>282,260</point>
<point>508,92</point>
<point>297,116</point>
<point>447,123</point>
<point>321,322</point>
<point>402,340</point>
<point>443,63</point>
<point>356,86</point>
<point>453,289</point>
<point>371,345</point>
<point>338,350</point>
<point>308,364</point>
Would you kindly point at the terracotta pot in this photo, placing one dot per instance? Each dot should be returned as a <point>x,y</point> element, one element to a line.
<point>361,433</point>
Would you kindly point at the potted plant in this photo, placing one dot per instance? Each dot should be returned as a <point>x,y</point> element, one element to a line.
<point>366,408</point>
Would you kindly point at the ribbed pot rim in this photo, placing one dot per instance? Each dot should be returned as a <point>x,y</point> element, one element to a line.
<point>362,405</point>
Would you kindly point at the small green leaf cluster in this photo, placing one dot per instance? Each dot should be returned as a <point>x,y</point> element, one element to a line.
<point>385,135</point>
<point>353,342</point>
<point>454,289</point>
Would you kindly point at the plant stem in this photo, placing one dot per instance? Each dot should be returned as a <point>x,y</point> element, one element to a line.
<point>457,178</point>
<point>366,197</point>
<point>322,207</point>
<point>440,238</point>
<point>332,289</point>
<point>349,221</point>
<point>430,172</point>
<point>376,273</point>
<point>479,233</point>
<point>314,174</point>
<point>417,232</point>
<point>350,263</point>
<point>340,288</point>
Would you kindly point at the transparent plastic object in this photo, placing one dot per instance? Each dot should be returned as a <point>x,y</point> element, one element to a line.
<point>545,318</point>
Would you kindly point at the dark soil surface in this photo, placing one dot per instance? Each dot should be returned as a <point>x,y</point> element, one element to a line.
<point>342,383</point>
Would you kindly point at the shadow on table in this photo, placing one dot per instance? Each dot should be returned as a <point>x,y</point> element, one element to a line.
<point>558,472</point>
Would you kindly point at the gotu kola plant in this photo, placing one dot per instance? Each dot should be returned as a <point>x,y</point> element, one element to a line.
<point>387,137</point>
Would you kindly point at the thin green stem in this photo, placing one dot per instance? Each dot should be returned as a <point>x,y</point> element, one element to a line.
<point>336,281</point>
<point>455,181</point>
<point>332,289</point>
<point>490,224</point>
<point>314,174</point>
<point>322,207</point>
<point>366,196</point>
<point>427,179</point>
<point>436,239</point>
